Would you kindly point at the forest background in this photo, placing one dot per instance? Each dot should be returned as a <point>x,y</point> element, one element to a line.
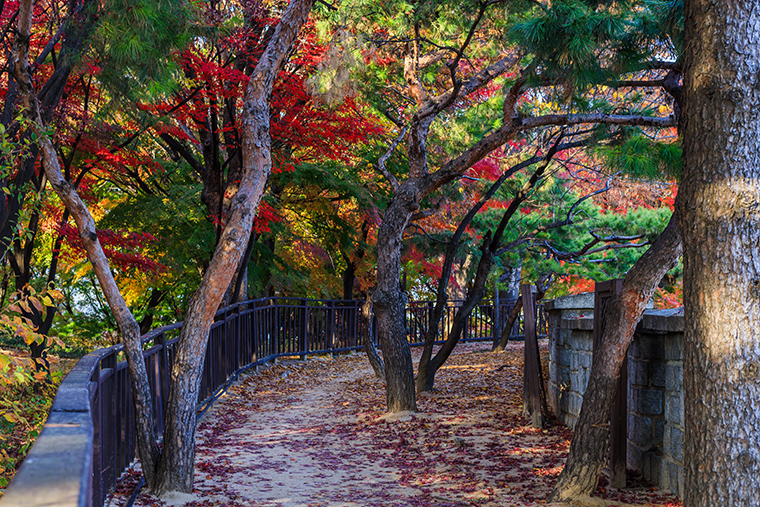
<point>143,103</point>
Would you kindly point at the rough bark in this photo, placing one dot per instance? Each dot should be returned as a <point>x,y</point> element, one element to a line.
<point>369,343</point>
<point>591,437</point>
<point>389,300</point>
<point>147,447</point>
<point>720,219</point>
<point>177,459</point>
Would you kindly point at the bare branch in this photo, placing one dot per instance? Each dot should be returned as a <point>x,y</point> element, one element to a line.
<point>641,83</point>
<point>425,233</point>
<point>600,118</point>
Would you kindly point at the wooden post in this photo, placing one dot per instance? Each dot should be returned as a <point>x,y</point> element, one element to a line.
<point>532,403</point>
<point>603,292</point>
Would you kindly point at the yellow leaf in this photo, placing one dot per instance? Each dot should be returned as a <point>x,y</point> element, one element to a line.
<point>663,109</point>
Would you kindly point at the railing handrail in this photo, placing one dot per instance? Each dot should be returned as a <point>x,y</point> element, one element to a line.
<point>88,438</point>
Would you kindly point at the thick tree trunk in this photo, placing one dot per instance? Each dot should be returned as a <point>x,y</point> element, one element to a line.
<point>720,218</point>
<point>369,343</point>
<point>389,300</point>
<point>177,459</point>
<point>591,437</point>
<point>147,447</point>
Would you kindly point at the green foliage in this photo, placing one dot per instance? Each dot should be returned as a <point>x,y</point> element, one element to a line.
<point>24,409</point>
<point>136,42</point>
<point>584,42</point>
<point>642,157</point>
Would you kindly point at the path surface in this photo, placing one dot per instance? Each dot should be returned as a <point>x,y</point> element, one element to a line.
<point>313,434</point>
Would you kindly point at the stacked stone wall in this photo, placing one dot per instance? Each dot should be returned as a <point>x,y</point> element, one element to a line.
<point>655,382</point>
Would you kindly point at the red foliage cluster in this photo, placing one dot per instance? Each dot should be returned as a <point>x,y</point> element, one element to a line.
<point>119,247</point>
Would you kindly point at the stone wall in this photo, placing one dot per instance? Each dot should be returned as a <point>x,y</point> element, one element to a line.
<point>655,379</point>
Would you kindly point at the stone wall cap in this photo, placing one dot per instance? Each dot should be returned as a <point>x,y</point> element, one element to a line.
<point>663,321</point>
<point>578,323</point>
<point>572,302</point>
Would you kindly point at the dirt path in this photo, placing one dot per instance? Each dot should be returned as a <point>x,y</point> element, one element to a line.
<point>313,434</point>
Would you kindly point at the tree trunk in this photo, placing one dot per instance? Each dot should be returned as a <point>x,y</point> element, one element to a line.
<point>719,216</point>
<point>591,437</point>
<point>147,448</point>
<point>369,343</point>
<point>177,459</point>
<point>507,330</point>
<point>390,300</point>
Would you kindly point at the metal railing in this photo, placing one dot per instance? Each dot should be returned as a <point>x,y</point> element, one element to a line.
<point>89,437</point>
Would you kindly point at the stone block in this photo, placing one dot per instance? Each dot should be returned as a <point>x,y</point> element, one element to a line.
<point>553,371</point>
<point>675,449</point>
<point>674,473</point>
<point>673,377</point>
<point>642,431</point>
<point>584,340</point>
<point>637,372</point>
<point>585,359</point>
<point>651,346</point>
<point>564,376</point>
<point>650,402</point>
<point>674,410</point>
<point>673,347</point>
<point>634,457</point>
<point>61,460</point>
<point>575,402</point>
<point>651,466</point>
<point>656,373</point>
<point>565,357</point>
<point>659,431</point>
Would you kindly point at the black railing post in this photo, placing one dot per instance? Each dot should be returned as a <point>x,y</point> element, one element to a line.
<point>303,329</point>
<point>331,326</point>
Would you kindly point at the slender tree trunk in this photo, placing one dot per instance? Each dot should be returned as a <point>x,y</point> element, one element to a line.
<point>720,218</point>
<point>591,437</point>
<point>491,243</point>
<point>369,343</point>
<point>507,330</point>
<point>147,447</point>
<point>389,301</point>
<point>177,459</point>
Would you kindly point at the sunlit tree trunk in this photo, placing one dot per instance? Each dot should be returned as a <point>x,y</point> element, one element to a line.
<point>720,218</point>
<point>177,459</point>
<point>147,448</point>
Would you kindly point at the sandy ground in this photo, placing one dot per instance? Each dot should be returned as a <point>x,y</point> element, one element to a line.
<point>314,434</point>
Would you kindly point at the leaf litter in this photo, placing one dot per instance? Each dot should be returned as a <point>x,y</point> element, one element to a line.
<point>314,434</point>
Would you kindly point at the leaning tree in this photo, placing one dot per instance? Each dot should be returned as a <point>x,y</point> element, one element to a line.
<point>172,468</point>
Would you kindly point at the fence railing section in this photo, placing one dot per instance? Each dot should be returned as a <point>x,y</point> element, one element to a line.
<point>89,437</point>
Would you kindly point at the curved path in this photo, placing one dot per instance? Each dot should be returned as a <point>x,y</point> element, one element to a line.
<point>313,434</point>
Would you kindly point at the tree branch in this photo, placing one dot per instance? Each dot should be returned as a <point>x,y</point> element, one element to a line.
<point>381,161</point>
